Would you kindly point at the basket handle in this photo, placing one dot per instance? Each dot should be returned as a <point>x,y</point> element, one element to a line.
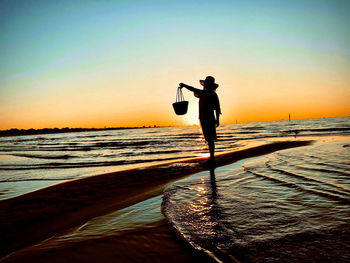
<point>179,95</point>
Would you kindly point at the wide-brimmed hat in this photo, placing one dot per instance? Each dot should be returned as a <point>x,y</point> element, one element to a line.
<point>209,81</point>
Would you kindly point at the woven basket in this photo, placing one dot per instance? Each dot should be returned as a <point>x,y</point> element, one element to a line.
<point>180,106</point>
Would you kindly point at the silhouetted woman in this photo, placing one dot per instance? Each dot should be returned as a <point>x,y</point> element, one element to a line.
<point>208,104</point>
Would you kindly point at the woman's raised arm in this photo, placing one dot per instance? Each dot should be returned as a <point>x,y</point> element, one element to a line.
<point>183,85</point>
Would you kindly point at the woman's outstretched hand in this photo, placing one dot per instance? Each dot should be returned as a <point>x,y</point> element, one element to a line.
<point>181,85</point>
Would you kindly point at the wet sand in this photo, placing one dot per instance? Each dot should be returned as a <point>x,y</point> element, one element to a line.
<point>33,217</point>
<point>155,244</point>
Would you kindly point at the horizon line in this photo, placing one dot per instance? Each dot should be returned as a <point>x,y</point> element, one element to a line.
<point>152,126</point>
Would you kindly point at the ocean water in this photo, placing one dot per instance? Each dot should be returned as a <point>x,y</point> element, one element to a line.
<point>288,206</point>
<point>31,162</point>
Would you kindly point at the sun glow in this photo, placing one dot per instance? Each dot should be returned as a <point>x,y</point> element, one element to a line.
<point>191,119</point>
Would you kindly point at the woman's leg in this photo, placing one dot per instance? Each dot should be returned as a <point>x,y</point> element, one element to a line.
<point>209,132</point>
<point>211,145</point>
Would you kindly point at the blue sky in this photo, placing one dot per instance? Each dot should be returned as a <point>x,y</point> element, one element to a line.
<point>50,46</point>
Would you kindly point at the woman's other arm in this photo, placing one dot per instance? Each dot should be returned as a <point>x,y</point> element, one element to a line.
<point>217,111</point>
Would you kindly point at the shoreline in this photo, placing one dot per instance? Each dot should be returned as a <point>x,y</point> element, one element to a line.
<point>33,217</point>
<point>28,132</point>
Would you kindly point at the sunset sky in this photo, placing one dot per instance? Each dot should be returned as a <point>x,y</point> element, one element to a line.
<point>118,63</point>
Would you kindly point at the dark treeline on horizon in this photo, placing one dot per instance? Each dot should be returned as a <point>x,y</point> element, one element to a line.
<point>16,132</point>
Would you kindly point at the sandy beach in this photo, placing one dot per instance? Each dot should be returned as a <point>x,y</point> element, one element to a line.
<point>31,218</point>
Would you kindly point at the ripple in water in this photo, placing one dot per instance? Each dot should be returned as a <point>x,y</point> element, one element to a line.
<point>290,206</point>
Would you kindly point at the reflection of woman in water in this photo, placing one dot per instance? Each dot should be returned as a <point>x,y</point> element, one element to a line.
<point>208,103</point>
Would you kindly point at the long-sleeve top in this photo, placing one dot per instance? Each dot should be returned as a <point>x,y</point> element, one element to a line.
<point>208,103</point>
